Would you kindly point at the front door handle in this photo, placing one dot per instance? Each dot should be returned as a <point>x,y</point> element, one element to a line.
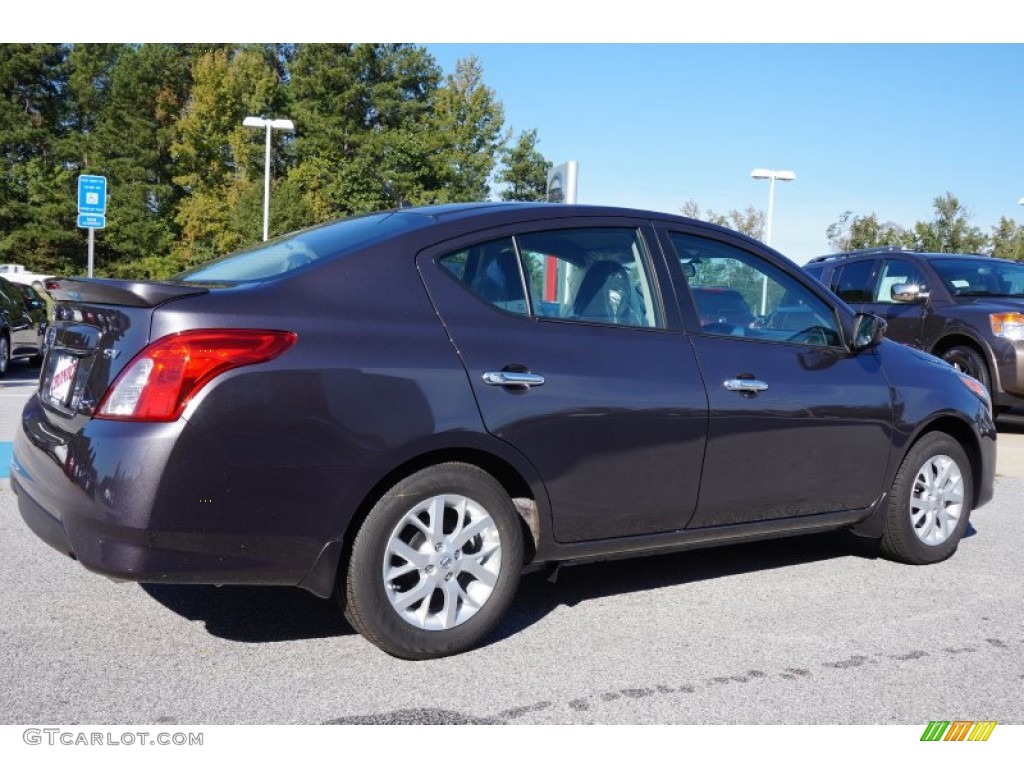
<point>745,385</point>
<point>513,379</point>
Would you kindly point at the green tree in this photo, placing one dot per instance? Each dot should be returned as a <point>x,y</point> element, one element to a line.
<point>377,126</point>
<point>147,91</point>
<point>219,162</point>
<point>1008,240</point>
<point>851,233</point>
<point>950,231</point>
<point>750,222</point>
<point>525,170</point>
<point>36,181</point>
<point>467,126</point>
<point>363,141</point>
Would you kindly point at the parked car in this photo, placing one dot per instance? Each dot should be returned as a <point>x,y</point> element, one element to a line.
<point>964,308</point>
<point>17,273</point>
<point>406,409</point>
<point>35,302</point>
<point>22,326</point>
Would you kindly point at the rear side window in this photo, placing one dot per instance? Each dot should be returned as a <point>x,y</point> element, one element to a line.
<point>853,282</point>
<point>491,271</point>
<point>598,275</point>
<point>593,275</point>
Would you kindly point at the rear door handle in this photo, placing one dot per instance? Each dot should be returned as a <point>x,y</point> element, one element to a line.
<point>513,379</point>
<point>745,385</point>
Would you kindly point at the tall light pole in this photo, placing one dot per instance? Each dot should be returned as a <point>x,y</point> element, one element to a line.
<point>281,125</point>
<point>772,176</point>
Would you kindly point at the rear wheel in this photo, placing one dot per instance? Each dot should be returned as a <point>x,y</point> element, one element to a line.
<point>930,503</point>
<point>436,563</point>
<point>5,356</point>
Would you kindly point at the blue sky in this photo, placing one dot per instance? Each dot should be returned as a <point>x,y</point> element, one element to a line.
<point>869,128</point>
<point>663,103</point>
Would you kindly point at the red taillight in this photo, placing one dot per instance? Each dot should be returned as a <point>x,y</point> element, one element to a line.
<point>159,382</point>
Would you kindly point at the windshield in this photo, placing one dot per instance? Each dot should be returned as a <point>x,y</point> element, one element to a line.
<point>284,254</point>
<point>981,277</point>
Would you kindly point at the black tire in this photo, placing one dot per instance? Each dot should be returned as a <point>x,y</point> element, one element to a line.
<point>970,361</point>
<point>5,355</point>
<point>373,601</point>
<point>936,456</point>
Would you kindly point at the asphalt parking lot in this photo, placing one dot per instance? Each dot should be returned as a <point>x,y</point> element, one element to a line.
<point>813,630</point>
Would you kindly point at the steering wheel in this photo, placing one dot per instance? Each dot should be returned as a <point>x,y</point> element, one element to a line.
<point>815,334</point>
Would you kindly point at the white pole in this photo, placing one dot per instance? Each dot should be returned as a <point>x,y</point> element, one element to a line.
<point>266,189</point>
<point>771,205</point>
<point>767,241</point>
<point>92,244</point>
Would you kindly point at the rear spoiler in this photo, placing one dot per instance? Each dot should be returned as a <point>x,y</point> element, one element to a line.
<point>124,293</point>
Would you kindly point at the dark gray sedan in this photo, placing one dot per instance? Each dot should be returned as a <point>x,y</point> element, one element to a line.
<point>406,409</point>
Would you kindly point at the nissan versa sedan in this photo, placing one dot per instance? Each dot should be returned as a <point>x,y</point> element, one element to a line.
<point>405,410</point>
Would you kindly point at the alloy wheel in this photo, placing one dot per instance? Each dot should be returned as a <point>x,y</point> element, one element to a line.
<point>936,500</point>
<point>442,562</point>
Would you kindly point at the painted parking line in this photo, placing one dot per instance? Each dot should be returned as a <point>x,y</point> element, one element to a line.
<point>6,450</point>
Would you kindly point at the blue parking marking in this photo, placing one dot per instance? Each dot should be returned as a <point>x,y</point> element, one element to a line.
<point>6,453</point>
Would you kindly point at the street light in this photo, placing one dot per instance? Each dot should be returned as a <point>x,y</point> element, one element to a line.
<point>772,176</point>
<point>281,125</point>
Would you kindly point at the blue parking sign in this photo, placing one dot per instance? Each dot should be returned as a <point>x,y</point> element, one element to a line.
<point>92,194</point>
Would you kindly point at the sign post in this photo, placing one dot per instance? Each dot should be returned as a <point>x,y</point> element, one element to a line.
<point>561,189</point>
<point>562,182</point>
<point>92,209</point>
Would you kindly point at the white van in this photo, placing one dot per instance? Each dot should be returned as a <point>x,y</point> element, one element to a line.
<point>18,274</point>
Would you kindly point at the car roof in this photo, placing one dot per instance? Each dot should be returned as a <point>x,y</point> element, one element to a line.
<point>893,250</point>
<point>514,210</point>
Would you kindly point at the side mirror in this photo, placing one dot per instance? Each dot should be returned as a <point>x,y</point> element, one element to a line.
<point>908,293</point>
<point>868,330</point>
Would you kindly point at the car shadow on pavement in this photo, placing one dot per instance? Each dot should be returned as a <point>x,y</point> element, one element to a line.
<point>1011,422</point>
<point>253,614</point>
<point>21,374</point>
<point>577,584</point>
<point>281,614</point>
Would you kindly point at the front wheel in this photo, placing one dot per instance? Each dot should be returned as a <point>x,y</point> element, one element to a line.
<point>968,360</point>
<point>930,503</point>
<point>436,563</point>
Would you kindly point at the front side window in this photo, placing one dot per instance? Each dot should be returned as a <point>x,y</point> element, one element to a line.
<point>736,293</point>
<point>897,272</point>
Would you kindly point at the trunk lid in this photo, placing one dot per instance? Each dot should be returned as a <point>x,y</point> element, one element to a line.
<point>98,327</point>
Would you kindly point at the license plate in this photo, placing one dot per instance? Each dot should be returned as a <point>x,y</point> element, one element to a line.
<point>63,377</point>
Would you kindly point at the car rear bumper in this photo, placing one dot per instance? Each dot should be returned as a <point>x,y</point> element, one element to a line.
<point>108,498</point>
